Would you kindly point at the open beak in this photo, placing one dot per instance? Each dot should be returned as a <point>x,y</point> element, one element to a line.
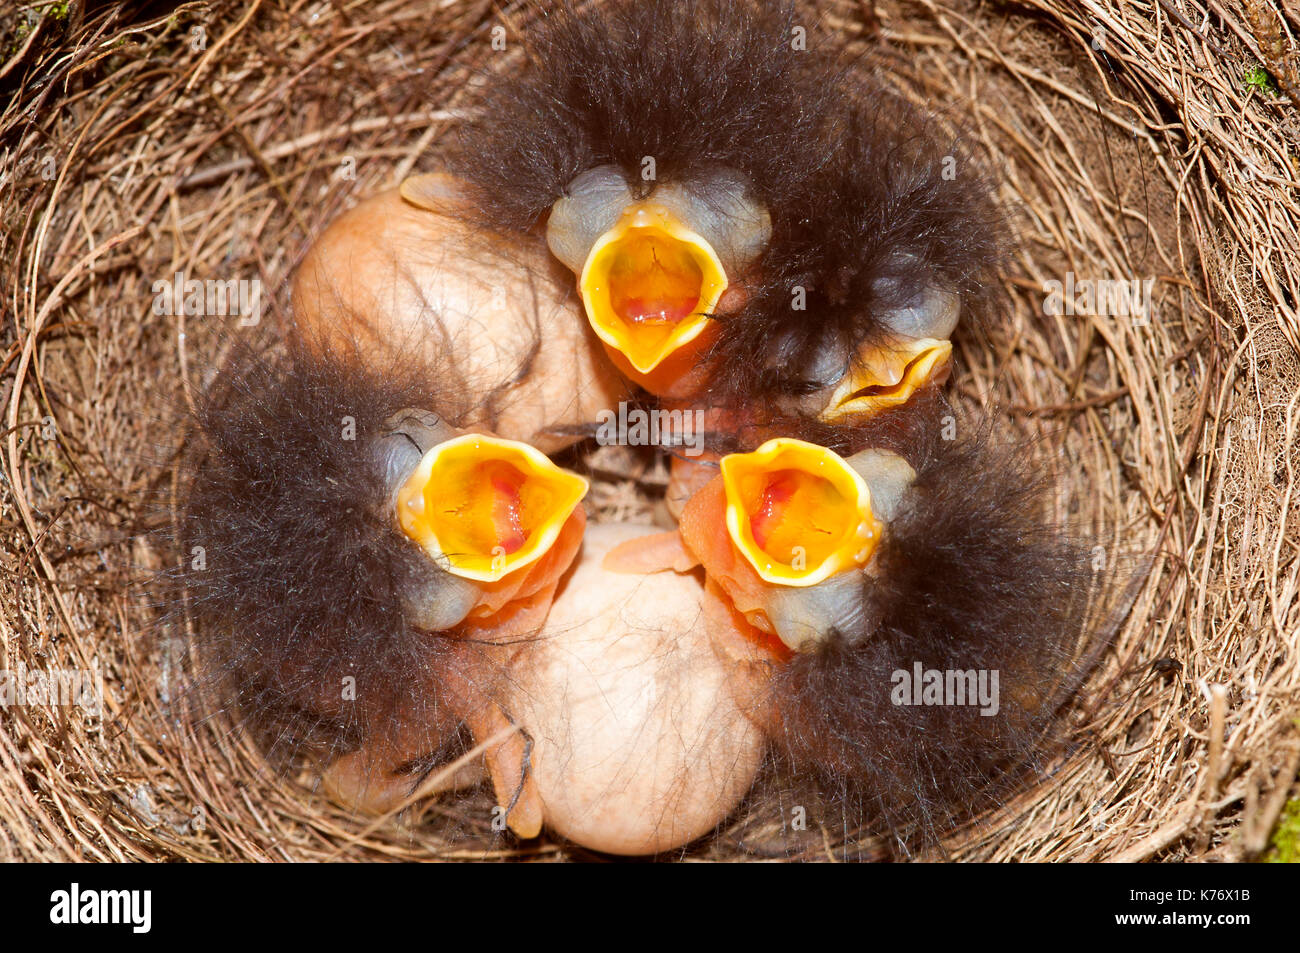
<point>484,507</point>
<point>649,285</point>
<point>798,512</point>
<point>887,375</point>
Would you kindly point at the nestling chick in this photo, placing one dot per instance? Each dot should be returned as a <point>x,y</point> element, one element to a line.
<point>839,579</point>
<point>367,566</point>
<point>747,220</point>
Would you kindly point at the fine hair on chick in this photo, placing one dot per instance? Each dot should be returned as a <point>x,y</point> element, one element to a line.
<point>299,594</point>
<point>971,576</point>
<point>871,199</point>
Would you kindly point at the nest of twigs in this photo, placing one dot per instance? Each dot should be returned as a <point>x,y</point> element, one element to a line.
<point>1156,141</point>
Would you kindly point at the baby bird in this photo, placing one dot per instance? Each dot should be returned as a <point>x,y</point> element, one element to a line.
<point>367,566</point>
<point>856,595</point>
<point>750,223</point>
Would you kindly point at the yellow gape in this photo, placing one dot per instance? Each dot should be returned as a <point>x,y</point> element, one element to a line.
<point>798,512</point>
<point>484,507</point>
<point>649,284</point>
<point>884,376</point>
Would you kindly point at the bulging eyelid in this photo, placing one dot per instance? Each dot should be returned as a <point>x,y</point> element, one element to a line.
<point>931,312</point>
<point>591,205</point>
<point>889,477</point>
<point>407,436</point>
<point>719,206</point>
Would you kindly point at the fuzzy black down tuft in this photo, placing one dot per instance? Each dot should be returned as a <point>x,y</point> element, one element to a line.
<point>897,208</point>
<point>969,577</point>
<point>695,84</point>
<point>871,199</point>
<point>291,568</point>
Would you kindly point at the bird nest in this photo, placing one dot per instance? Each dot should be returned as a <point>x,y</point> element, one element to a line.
<point>1154,143</point>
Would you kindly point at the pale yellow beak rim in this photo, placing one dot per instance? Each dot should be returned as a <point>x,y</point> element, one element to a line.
<point>593,283</point>
<point>862,530</point>
<point>431,505</point>
<point>887,376</point>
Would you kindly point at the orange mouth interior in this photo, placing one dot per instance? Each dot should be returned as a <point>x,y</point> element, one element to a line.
<point>649,286</point>
<point>484,507</point>
<point>787,510</point>
<point>797,512</point>
<point>654,281</point>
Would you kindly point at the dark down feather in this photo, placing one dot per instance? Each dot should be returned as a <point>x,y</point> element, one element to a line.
<point>879,223</point>
<point>301,574</point>
<point>861,185</point>
<point>970,576</point>
<point>695,84</point>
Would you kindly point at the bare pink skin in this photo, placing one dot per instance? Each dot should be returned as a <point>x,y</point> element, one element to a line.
<point>389,279</point>
<point>638,745</point>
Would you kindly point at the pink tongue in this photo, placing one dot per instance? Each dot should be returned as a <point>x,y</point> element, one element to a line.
<point>775,495</point>
<point>505,515</point>
<point>653,310</point>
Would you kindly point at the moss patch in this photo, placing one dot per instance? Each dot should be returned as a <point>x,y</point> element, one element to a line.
<point>1286,838</point>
